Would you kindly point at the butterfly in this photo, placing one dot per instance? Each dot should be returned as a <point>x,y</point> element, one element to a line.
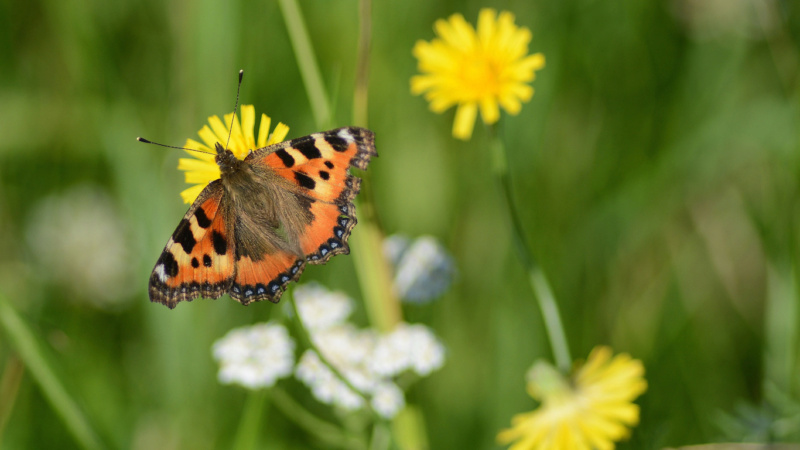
<point>252,231</point>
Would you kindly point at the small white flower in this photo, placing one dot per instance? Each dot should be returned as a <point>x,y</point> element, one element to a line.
<point>320,308</point>
<point>427,353</point>
<point>407,347</point>
<point>324,384</point>
<point>347,349</point>
<point>255,356</point>
<point>343,345</point>
<point>387,399</point>
<point>423,268</point>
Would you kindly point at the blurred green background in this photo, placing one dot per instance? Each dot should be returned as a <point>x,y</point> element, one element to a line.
<point>657,171</point>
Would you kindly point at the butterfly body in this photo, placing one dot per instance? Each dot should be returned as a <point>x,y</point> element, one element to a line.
<point>252,231</point>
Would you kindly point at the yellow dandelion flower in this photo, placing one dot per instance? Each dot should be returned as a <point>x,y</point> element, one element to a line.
<point>476,69</point>
<point>591,410</point>
<point>202,169</point>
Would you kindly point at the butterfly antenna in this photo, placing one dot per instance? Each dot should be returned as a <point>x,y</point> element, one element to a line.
<point>235,105</point>
<point>141,139</point>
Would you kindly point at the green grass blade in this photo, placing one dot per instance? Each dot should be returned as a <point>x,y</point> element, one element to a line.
<point>29,350</point>
<point>307,61</point>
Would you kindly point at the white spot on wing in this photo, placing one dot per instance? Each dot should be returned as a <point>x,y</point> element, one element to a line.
<point>161,273</point>
<point>344,134</point>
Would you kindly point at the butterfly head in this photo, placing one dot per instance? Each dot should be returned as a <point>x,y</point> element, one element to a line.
<point>226,160</point>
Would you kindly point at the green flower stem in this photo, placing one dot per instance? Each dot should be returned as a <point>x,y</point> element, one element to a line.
<point>324,431</point>
<point>374,273</point>
<point>310,344</point>
<point>537,278</point>
<point>307,62</point>
<point>28,349</point>
<point>9,388</point>
<point>381,436</point>
<point>250,423</point>
<point>360,96</point>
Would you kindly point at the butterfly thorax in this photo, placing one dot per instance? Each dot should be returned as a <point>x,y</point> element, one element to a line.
<point>265,206</point>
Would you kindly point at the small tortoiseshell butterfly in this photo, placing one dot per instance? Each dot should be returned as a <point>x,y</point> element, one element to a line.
<point>253,230</point>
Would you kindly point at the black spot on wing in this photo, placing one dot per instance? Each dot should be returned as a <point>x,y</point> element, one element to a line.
<point>220,244</point>
<point>287,159</point>
<point>170,265</point>
<point>324,175</point>
<point>202,218</point>
<point>304,180</point>
<point>206,260</point>
<point>195,263</point>
<point>329,164</point>
<point>183,235</point>
<point>337,142</point>
<point>309,149</point>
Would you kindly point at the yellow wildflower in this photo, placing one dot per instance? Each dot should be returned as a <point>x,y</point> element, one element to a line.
<point>482,69</point>
<point>202,169</point>
<point>591,410</point>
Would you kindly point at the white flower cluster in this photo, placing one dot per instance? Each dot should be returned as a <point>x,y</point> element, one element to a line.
<point>255,356</point>
<point>368,361</point>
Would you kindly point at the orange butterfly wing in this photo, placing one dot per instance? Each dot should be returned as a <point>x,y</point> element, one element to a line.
<point>318,165</point>
<point>198,259</point>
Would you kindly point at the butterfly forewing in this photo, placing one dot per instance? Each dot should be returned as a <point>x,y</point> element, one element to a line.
<point>198,259</point>
<point>318,166</point>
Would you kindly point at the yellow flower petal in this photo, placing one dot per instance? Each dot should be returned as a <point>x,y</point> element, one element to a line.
<point>456,32</point>
<point>191,143</point>
<point>187,164</point>
<point>279,134</point>
<point>486,27</point>
<point>263,131</point>
<point>465,120</point>
<point>235,142</point>
<point>248,123</point>
<point>208,136</point>
<point>490,111</point>
<point>190,194</point>
<point>219,128</point>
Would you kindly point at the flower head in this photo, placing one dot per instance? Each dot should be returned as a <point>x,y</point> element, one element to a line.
<point>591,410</point>
<point>423,270</point>
<point>255,356</point>
<point>366,360</point>
<point>408,347</point>
<point>320,308</point>
<point>201,169</point>
<point>80,240</point>
<point>476,69</point>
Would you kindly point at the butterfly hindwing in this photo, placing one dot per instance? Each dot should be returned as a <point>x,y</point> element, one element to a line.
<point>265,279</point>
<point>198,259</point>
<point>318,167</point>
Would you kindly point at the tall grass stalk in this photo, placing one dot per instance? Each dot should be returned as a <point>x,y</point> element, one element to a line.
<point>536,277</point>
<point>29,350</point>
